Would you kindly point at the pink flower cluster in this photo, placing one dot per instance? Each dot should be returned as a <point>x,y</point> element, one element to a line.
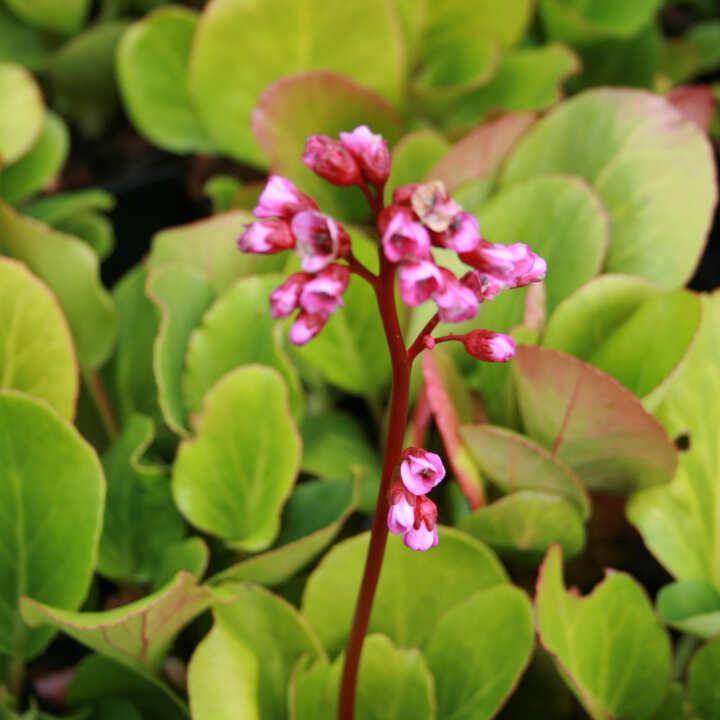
<point>412,514</point>
<point>423,216</point>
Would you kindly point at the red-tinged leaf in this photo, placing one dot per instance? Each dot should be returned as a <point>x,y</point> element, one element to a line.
<point>591,422</point>
<point>696,103</point>
<point>451,405</point>
<point>483,150</point>
<point>421,418</point>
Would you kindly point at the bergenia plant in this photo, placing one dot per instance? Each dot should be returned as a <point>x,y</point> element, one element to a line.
<point>420,218</point>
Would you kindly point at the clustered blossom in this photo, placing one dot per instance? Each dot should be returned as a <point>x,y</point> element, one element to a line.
<point>412,514</point>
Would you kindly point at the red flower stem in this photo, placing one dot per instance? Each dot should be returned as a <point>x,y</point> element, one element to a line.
<point>385,292</point>
<point>419,343</point>
<point>359,269</point>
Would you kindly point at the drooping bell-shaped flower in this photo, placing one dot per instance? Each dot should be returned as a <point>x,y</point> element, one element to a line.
<point>281,198</point>
<point>456,302</point>
<point>323,293</point>
<point>320,239</point>
<point>423,534</point>
<point>370,151</point>
<point>331,160</point>
<point>401,515</point>
<point>306,327</point>
<point>461,235</point>
<point>266,237</point>
<point>403,237</point>
<point>285,299</point>
<point>489,346</point>
<point>419,281</point>
<point>420,470</point>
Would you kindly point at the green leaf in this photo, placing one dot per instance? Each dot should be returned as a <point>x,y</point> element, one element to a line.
<point>275,632</point>
<point>21,43</point>
<point>210,246</point>
<point>415,155</point>
<point>238,329</point>
<point>392,684</point>
<point>622,142</point>
<point>590,422</point>
<point>135,635</point>
<point>312,518</point>
<point>351,352</point>
<point>673,704</point>
<point>152,63</point>
<point>35,168</point>
<point>191,554</point>
<point>613,629</point>
<point>82,77</point>
<point>233,478</point>
<point>141,519</point>
<point>23,115</point>
<point>692,606</point>
<point>473,678</point>
<point>96,678</point>
<point>63,206</point>
<point>523,525</point>
<point>413,592</point>
<point>223,678</point>
<point>232,61</point>
<point>71,269</point>
<point>63,16</point>
<point>96,230</point>
<point>36,349</point>
<point>50,543</point>
<point>181,296</point>
<point>679,523</point>
<point>703,685</point>
<point>319,103</point>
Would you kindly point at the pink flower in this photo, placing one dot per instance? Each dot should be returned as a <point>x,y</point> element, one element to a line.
<point>419,281</point>
<point>401,515</point>
<point>515,265</point>
<point>281,198</point>
<point>531,269</point>
<point>266,237</point>
<point>489,346</point>
<point>370,151</point>
<point>306,327</point>
<point>402,195</point>
<point>456,302</point>
<point>423,534</point>
<point>323,294</point>
<point>320,240</point>
<point>485,287</point>
<point>434,206</point>
<point>420,470</point>
<point>462,234</point>
<point>286,299</point>
<point>403,238</point>
<point>331,160</point>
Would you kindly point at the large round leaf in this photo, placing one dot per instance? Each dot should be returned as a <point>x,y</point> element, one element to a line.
<point>36,348</point>
<point>232,61</point>
<point>234,476</point>
<point>23,112</point>
<point>63,16</point>
<point>52,494</point>
<point>623,142</point>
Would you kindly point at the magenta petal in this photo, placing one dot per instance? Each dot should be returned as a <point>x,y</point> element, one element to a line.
<point>421,538</point>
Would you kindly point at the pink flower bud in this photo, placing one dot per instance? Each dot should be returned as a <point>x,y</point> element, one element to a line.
<point>516,265</point>
<point>266,237</point>
<point>489,346</point>
<point>323,294</point>
<point>402,195</point>
<point>401,515</point>
<point>434,206</point>
<point>456,302</point>
<point>370,151</point>
<point>484,286</point>
<point>423,534</point>
<point>419,281</point>
<point>320,240</point>
<point>331,160</point>
<point>306,327</point>
<point>403,238</point>
<point>462,235</point>
<point>281,198</point>
<point>286,299</point>
<point>420,470</point>
<point>532,269</point>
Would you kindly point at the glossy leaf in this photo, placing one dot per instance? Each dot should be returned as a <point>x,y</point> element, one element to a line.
<point>414,590</point>
<point>58,207</point>
<point>35,168</point>
<point>23,114</point>
<point>692,606</point>
<point>473,678</point>
<point>415,155</point>
<point>319,103</point>
<point>50,544</point>
<point>232,62</point>
<point>63,16</point>
<point>135,635</point>
<point>615,629</point>
<point>152,63</point>
<point>590,422</point>
<point>21,43</point>
<point>191,554</point>
<point>621,142</point>
<point>233,478</point>
<point>237,330</point>
<point>71,270</point>
<point>703,685</point>
<point>524,524</point>
<point>36,348</point>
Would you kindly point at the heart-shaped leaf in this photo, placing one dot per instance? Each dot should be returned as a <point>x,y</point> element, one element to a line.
<point>23,114</point>
<point>692,606</point>
<point>50,543</point>
<point>233,477</point>
<point>590,422</point>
